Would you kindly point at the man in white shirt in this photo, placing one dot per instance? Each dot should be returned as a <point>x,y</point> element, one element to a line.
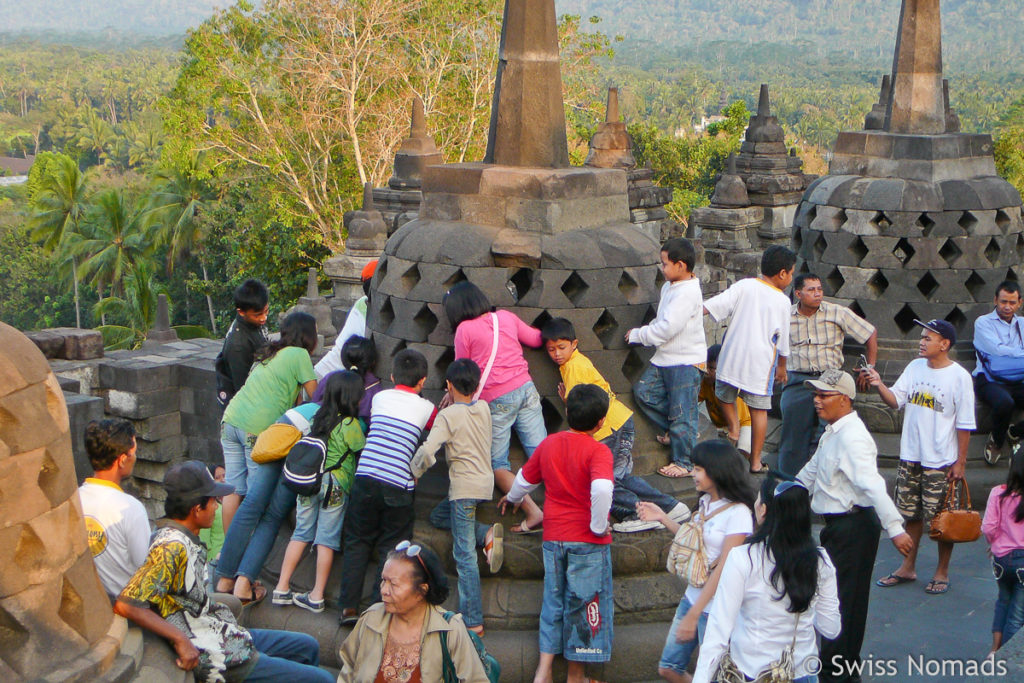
<point>116,523</point>
<point>849,493</point>
<point>937,421</point>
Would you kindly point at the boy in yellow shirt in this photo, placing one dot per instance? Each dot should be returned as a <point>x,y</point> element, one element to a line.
<point>618,432</point>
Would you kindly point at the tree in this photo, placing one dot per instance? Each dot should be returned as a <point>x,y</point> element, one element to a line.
<point>136,309</point>
<point>59,204</point>
<point>112,241</point>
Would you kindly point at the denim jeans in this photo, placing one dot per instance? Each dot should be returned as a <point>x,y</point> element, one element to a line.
<point>459,516</point>
<point>238,465</point>
<point>519,408</point>
<point>254,528</point>
<point>578,610</point>
<point>668,397</point>
<point>286,656</point>
<point>675,655</point>
<point>1009,613</point>
<point>629,490</point>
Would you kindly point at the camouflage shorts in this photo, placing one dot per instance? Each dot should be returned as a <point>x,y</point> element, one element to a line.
<point>919,490</point>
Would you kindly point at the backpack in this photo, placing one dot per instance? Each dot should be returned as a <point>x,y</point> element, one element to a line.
<point>491,667</point>
<point>304,470</point>
<point>686,556</point>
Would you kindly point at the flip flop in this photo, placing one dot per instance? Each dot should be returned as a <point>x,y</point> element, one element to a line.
<point>936,587</point>
<point>526,530</point>
<point>494,550</point>
<point>259,592</point>
<point>762,470</point>
<point>674,471</point>
<point>893,580</point>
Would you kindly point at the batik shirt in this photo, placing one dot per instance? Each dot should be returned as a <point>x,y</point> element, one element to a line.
<point>172,582</point>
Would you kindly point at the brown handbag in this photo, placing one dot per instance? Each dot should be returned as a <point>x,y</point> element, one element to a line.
<point>958,524</point>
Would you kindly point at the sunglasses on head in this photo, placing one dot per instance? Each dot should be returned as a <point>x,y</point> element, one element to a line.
<point>411,549</point>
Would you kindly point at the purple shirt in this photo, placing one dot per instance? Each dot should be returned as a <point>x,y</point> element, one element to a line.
<point>370,383</point>
<point>1003,534</point>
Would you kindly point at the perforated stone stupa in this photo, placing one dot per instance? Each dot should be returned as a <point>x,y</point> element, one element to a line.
<point>912,220</point>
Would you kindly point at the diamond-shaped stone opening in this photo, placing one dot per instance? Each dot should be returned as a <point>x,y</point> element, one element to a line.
<point>659,278</point>
<point>628,286</point>
<point>72,608</point>
<point>454,279</point>
<point>444,360</point>
<point>950,252</point>
<point>382,269</point>
<point>819,246</point>
<point>977,287</point>
<point>13,634</point>
<point>633,366</point>
<point>553,419</point>
<point>904,319</point>
<point>1003,221</point>
<point>803,267</point>
<point>606,328</point>
<point>30,551</point>
<point>992,251</point>
<point>881,221</point>
<point>957,318</point>
<point>855,307</point>
<point>425,321</point>
<point>967,221</point>
<point>927,285</point>
<point>650,314</point>
<point>812,213</point>
<point>1010,275</point>
<point>49,480</point>
<point>798,239</point>
<point>903,251</point>
<point>878,283</point>
<point>574,288</point>
<point>1019,247</point>
<point>520,283</point>
<point>410,278</point>
<point>835,281</point>
<point>858,249</point>
<point>926,224</point>
<point>839,219</point>
<point>399,347</point>
<point>386,316</point>
<point>541,320</point>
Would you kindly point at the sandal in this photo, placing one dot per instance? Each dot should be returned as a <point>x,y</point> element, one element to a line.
<point>256,596</point>
<point>523,529</point>
<point>763,469</point>
<point>936,587</point>
<point>674,471</point>
<point>893,580</point>
<point>494,549</point>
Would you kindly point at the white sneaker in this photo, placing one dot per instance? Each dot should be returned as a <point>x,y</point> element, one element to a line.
<point>631,526</point>
<point>680,513</point>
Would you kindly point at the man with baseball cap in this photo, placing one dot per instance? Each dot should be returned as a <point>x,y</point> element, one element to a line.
<point>168,596</point>
<point>355,325</point>
<point>938,397</point>
<point>849,493</point>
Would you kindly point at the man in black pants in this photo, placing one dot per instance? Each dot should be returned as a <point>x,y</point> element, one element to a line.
<point>1000,334</point>
<point>849,493</point>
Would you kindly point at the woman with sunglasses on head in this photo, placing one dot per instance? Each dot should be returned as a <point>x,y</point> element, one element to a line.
<point>774,592</point>
<point>727,495</point>
<point>398,640</point>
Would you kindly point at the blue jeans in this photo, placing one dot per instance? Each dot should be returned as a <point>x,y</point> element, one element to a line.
<point>578,609</point>
<point>238,465</point>
<point>668,397</point>
<point>286,656</point>
<point>801,428</point>
<point>675,655</point>
<point>254,528</point>
<point>519,408</point>
<point>629,490</point>
<point>467,535</point>
<point>1009,613</point>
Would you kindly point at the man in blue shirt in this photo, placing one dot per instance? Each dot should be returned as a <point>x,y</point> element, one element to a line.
<point>1000,333</point>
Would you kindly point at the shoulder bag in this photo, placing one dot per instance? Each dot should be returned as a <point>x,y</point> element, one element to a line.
<point>686,556</point>
<point>779,671</point>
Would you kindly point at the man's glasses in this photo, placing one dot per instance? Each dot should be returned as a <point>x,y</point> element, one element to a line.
<point>411,549</point>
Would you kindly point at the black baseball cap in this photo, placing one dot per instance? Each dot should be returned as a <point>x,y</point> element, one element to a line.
<point>943,328</point>
<point>191,479</point>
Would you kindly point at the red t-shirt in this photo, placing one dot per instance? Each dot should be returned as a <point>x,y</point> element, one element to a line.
<point>566,463</point>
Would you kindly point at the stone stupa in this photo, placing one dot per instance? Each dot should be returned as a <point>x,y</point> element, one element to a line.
<point>912,220</point>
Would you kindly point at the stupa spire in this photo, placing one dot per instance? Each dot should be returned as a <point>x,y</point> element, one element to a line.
<point>527,114</point>
<point>916,105</point>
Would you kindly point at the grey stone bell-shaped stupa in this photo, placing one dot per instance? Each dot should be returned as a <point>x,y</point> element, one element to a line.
<point>912,220</point>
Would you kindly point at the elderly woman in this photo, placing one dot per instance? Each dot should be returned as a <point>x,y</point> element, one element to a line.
<point>398,640</point>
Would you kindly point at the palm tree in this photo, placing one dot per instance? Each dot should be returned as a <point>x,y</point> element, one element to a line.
<point>113,242</point>
<point>95,135</point>
<point>59,206</point>
<point>176,207</point>
<point>137,308</point>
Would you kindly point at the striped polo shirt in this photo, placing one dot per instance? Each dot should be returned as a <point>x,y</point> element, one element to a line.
<point>397,420</point>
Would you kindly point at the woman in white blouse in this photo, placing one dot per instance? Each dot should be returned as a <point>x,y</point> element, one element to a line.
<point>774,592</point>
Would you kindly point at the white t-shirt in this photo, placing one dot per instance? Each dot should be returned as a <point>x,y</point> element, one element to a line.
<point>118,531</point>
<point>938,402</point>
<point>735,520</point>
<point>678,329</point>
<point>355,325</point>
<point>758,332</point>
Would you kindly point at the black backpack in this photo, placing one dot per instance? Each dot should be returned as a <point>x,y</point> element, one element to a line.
<point>304,467</point>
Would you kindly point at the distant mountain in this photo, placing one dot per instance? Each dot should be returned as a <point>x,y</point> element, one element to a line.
<point>146,17</point>
<point>977,34</point>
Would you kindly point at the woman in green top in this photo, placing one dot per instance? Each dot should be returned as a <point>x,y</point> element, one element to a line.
<point>318,518</point>
<point>271,389</point>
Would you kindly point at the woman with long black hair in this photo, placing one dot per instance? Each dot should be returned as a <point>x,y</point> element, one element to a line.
<point>1003,527</point>
<point>725,507</point>
<point>773,594</point>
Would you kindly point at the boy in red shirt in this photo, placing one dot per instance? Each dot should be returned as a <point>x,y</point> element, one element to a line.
<point>578,479</point>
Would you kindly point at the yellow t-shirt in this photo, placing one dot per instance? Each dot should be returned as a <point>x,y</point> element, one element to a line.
<point>579,370</point>
<point>707,394</point>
